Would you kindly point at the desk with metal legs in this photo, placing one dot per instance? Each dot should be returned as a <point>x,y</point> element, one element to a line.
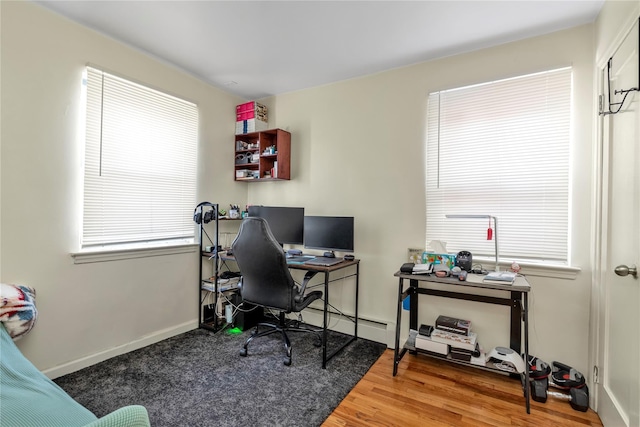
<point>312,270</point>
<point>517,301</point>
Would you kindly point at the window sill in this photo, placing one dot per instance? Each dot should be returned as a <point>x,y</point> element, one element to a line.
<point>104,254</point>
<point>552,271</point>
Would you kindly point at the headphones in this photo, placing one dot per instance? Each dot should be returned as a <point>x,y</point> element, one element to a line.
<point>198,217</point>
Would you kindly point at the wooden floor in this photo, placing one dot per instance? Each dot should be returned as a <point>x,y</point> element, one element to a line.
<point>431,392</point>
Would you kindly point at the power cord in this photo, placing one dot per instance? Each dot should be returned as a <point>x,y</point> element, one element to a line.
<point>478,269</point>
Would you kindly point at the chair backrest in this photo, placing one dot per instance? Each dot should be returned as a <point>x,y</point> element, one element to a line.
<point>266,279</point>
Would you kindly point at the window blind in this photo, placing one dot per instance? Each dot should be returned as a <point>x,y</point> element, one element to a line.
<point>140,163</point>
<point>501,149</point>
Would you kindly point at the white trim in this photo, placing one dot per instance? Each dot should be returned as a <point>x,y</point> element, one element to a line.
<point>597,235</point>
<point>83,362</point>
<point>116,254</point>
<point>553,271</point>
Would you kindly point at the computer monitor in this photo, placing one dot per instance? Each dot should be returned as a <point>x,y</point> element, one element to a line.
<point>286,223</point>
<point>329,233</point>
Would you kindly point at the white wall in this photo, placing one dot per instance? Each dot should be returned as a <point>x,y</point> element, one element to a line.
<point>364,138</point>
<point>92,310</point>
<point>615,16</point>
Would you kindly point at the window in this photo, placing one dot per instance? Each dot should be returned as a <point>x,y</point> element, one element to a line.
<point>140,164</point>
<point>501,149</point>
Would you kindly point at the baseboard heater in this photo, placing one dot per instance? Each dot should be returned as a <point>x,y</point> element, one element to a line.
<point>371,329</point>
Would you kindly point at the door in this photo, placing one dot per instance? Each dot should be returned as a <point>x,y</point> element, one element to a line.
<point>618,388</point>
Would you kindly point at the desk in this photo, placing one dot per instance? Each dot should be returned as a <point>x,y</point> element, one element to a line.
<point>312,270</point>
<point>518,302</point>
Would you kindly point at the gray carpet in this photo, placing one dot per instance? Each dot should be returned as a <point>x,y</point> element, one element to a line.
<point>199,379</point>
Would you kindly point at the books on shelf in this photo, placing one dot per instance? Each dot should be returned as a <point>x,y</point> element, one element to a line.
<point>466,342</point>
<point>461,354</point>
<point>425,343</point>
<point>250,126</point>
<point>452,324</point>
<point>500,277</point>
<point>475,356</point>
<point>223,284</point>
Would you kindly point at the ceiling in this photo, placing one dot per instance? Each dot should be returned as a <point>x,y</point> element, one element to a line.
<point>261,48</point>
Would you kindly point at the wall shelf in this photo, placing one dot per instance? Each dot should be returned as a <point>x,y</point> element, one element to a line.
<point>263,156</point>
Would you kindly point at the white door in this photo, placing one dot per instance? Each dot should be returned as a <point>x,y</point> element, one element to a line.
<point>618,388</point>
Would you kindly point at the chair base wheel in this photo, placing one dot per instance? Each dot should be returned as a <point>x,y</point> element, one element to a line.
<point>243,352</point>
<point>287,361</point>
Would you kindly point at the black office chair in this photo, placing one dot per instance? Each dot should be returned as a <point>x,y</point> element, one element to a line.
<point>267,282</point>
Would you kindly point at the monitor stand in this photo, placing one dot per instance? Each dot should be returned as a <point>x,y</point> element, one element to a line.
<point>329,254</point>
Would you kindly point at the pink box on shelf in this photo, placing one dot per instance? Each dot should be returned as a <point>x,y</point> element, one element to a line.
<point>251,106</point>
<point>248,115</point>
<point>243,107</point>
<point>245,115</point>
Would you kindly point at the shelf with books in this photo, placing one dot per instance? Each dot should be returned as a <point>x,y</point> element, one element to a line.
<point>491,366</point>
<point>412,344</point>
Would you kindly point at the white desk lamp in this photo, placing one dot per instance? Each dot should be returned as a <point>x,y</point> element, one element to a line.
<point>495,227</point>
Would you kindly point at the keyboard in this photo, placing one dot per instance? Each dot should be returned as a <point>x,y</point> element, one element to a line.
<point>324,261</point>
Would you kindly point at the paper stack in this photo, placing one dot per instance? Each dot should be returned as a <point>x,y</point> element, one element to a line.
<point>456,333</point>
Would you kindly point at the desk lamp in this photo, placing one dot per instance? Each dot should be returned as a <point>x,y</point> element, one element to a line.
<point>489,234</point>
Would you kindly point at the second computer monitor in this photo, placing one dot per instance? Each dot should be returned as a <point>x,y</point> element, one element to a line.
<point>329,233</point>
<point>286,223</point>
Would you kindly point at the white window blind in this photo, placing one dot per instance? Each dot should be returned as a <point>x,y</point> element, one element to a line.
<point>140,163</point>
<point>501,149</point>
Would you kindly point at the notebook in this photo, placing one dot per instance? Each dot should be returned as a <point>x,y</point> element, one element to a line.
<point>500,277</point>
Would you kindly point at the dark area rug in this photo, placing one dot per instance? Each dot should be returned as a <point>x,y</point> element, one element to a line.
<point>199,379</point>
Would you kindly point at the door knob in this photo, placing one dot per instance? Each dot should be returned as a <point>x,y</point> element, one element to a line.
<point>623,270</point>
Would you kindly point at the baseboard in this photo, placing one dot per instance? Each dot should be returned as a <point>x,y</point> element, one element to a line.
<point>84,362</point>
<point>368,328</point>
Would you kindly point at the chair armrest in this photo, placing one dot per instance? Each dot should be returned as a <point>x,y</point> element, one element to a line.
<point>128,416</point>
<point>308,276</point>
